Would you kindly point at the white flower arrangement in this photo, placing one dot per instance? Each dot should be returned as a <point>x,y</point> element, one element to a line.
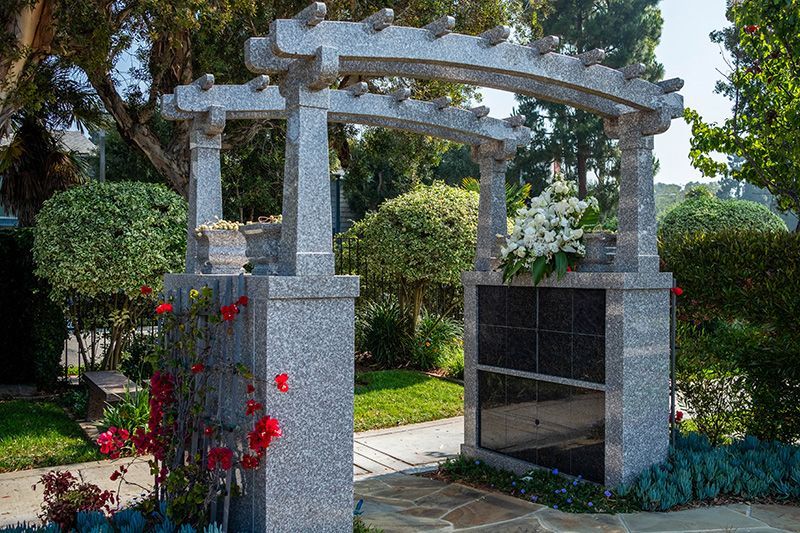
<point>547,236</point>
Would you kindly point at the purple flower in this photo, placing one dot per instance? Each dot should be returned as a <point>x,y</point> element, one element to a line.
<point>555,471</point>
<point>607,494</point>
<point>555,506</point>
<point>569,500</point>
<point>575,483</point>
<point>563,491</point>
<point>522,491</point>
<point>590,504</point>
<point>477,462</point>
<point>513,483</point>
<point>556,491</point>
<point>534,498</point>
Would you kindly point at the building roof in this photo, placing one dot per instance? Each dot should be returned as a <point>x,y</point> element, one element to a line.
<point>74,141</point>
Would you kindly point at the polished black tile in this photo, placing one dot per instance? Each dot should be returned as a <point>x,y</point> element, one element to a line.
<point>588,358</point>
<point>590,311</point>
<point>555,425</point>
<point>521,349</point>
<point>587,452</point>
<point>521,307</point>
<point>554,354</point>
<point>492,304</point>
<point>491,412</point>
<point>492,345</point>
<point>555,309</point>
<point>521,402</point>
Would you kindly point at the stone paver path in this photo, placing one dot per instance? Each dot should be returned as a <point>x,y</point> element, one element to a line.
<point>406,448</point>
<point>400,503</point>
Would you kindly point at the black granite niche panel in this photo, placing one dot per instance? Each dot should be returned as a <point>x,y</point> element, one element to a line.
<point>551,331</point>
<point>543,423</point>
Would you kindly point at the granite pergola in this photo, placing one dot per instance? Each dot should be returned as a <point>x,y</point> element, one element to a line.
<point>573,374</point>
<point>209,106</point>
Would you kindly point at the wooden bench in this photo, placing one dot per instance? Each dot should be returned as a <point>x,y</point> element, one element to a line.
<point>106,387</point>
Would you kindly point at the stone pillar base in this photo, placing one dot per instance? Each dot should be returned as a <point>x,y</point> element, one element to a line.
<point>303,326</point>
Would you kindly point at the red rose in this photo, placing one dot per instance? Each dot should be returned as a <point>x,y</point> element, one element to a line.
<point>677,291</point>
<point>164,308</point>
<point>281,380</point>
<point>197,368</point>
<point>252,407</point>
<point>243,300</point>
<point>146,290</point>
<point>250,388</point>
<point>250,462</point>
<point>115,475</point>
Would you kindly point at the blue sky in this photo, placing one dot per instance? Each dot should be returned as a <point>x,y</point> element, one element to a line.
<point>686,52</point>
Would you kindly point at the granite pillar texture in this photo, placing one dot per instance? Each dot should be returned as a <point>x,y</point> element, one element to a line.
<point>306,248</point>
<point>302,326</point>
<point>205,188</point>
<point>637,248</point>
<point>492,214</point>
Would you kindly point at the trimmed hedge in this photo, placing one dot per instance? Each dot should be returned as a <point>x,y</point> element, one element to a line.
<point>738,335</point>
<point>32,327</point>
<point>748,275</point>
<point>704,213</point>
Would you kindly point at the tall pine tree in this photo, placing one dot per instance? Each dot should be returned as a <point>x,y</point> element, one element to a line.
<point>629,31</point>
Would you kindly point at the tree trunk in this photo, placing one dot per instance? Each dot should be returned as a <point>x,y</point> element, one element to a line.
<point>32,26</point>
<point>581,164</point>
<point>172,163</point>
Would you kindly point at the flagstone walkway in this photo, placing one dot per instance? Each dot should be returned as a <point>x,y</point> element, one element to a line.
<point>399,503</point>
<point>395,501</point>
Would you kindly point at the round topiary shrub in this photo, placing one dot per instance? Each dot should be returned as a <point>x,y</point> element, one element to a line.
<point>705,213</point>
<point>423,237</point>
<point>99,244</point>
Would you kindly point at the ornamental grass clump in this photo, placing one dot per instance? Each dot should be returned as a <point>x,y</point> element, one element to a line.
<point>546,237</point>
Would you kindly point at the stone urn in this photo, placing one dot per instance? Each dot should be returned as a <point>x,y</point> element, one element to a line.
<point>600,250</point>
<point>263,246</point>
<point>220,251</point>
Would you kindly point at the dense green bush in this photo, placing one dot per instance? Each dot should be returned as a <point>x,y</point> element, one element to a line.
<point>738,341</point>
<point>702,212</point>
<point>101,242</point>
<point>737,275</point>
<point>106,238</point>
<point>696,471</point>
<point>32,327</point>
<point>422,238</point>
<point>131,412</point>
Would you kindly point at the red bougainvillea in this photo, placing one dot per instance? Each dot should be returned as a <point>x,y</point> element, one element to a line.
<point>229,312</point>
<point>249,462</point>
<point>266,429</point>
<point>243,301</point>
<point>145,290</point>
<point>252,406</point>
<point>162,308</point>
<point>222,457</point>
<point>198,367</point>
<point>282,382</point>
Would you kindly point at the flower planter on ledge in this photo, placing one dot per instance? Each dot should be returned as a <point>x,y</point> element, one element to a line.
<point>600,250</point>
<point>220,251</point>
<point>263,246</point>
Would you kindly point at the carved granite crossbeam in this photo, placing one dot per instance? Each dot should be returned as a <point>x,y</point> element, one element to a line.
<point>420,52</point>
<point>428,118</point>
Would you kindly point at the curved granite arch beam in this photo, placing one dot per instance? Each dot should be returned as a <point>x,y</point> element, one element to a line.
<point>426,118</point>
<point>357,44</point>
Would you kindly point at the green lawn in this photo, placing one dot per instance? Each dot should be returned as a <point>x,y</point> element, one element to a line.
<point>395,397</point>
<point>36,434</point>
